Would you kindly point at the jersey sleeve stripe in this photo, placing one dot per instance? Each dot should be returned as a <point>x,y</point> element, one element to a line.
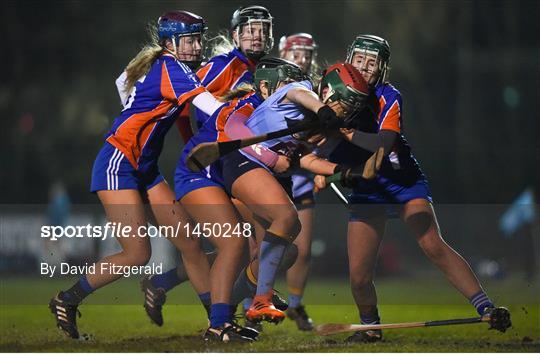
<point>220,83</point>
<point>187,95</point>
<point>184,67</point>
<point>391,120</point>
<point>167,90</point>
<point>203,72</point>
<point>240,77</point>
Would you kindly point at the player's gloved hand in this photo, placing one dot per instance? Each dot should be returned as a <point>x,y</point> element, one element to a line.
<point>499,318</point>
<point>328,118</point>
<point>313,121</point>
<point>350,176</point>
<point>351,120</point>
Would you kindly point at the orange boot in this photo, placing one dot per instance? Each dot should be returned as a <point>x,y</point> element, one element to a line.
<point>262,309</point>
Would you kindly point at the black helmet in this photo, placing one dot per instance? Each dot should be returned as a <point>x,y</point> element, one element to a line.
<point>246,15</point>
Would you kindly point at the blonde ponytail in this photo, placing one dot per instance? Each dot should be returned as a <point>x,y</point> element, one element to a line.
<point>220,44</point>
<point>140,65</point>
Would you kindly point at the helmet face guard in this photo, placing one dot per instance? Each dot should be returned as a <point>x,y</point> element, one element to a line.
<point>177,24</point>
<point>244,21</point>
<point>370,45</point>
<point>344,84</point>
<point>276,70</point>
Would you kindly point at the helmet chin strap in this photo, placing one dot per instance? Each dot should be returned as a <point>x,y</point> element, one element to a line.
<point>174,45</point>
<point>237,41</point>
<point>174,51</point>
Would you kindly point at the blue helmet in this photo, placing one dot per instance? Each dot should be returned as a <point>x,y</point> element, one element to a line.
<point>175,24</point>
<point>180,23</point>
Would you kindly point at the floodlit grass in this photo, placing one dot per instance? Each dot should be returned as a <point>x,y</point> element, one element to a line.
<point>27,325</point>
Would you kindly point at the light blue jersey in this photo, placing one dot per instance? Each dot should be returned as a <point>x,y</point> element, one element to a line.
<point>273,115</point>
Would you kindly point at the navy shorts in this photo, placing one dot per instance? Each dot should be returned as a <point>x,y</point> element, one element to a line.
<point>113,171</point>
<point>385,197</point>
<point>235,165</point>
<point>303,190</point>
<point>186,181</point>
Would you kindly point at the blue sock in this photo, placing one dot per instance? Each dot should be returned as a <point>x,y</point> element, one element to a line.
<point>87,288</point>
<point>272,250</point>
<point>295,301</point>
<point>78,291</point>
<point>481,302</point>
<point>372,318</point>
<point>205,298</point>
<point>206,301</point>
<point>167,280</point>
<point>219,314</point>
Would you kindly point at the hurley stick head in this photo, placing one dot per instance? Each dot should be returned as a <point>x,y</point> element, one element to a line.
<point>202,156</point>
<point>498,318</point>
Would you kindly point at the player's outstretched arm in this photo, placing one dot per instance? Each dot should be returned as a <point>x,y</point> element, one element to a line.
<point>317,165</point>
<point>305,98</point>
<point>371,141</point>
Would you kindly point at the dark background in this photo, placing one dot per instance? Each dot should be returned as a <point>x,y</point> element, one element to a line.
<point>468,72</point>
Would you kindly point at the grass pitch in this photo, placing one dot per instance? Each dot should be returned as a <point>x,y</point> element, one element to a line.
<point>115,318</point>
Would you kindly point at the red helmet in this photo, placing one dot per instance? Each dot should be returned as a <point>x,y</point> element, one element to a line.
<point>297,41</point>
<point>344,83</point>
<point>299,48</point>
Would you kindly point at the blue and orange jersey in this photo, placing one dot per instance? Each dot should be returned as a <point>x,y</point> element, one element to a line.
<point>151,109</point>
<point>389,115</point>
<point>214,127</point>
<point>384,112</point>
<point>224,73</point>
<point>214,130</point>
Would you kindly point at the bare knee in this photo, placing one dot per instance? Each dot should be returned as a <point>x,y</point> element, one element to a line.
<point>137,257</point>
<point>190,247</point>
<point>420,223</point>
<point>304,255</point>
<point>286,221</point>
<point>234,247</point>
